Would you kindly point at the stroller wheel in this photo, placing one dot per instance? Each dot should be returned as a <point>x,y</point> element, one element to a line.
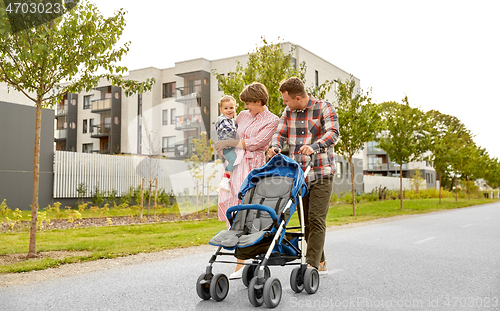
<point>272,292</point>
<point>297,280</point>
<point>256,292</point>
<point>219,287</point>
<point>311,280</point>
<point>203,287</point>
<point>250,271</point>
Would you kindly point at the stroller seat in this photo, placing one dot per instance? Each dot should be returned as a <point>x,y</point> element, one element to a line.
<point>257,214</point>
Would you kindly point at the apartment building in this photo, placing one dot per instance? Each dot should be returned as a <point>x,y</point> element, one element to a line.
<point>378,163</point>
<point>181,105</point>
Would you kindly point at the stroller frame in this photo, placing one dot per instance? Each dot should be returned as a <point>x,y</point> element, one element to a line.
<point>262,288</point>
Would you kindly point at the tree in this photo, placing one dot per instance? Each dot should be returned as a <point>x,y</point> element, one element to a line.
<point>149,168</point>
<point>447,133</point>
<point>405,138</point>
<point>360,121</point>
<point>416,180</point>
<point>198,166</point>
<point>269,65</point>
<point>492,175</point>
<point>72,49</point>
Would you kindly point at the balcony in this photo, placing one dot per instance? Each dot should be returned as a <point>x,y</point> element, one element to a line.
<point>377,166</point>
<point>100,130</point>
<point>374,149</point>
<point>188,92</point>
<point>184,150</point>
<point>60,134</point>
<point>61,110</point>
<point>101,104</point>
<point>395,166</point>
<point>188,122</point>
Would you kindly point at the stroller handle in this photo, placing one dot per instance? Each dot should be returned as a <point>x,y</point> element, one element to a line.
<point>309,165</point>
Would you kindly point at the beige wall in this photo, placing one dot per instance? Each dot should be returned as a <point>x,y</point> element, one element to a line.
<point>9,95</point>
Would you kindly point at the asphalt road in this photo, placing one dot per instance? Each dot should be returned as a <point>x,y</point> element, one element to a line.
<point>440,261</point>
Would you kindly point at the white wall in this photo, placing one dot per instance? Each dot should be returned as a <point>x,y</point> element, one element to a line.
<point>392,183</point>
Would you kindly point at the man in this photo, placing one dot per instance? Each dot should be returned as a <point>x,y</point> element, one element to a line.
<point>310,126</point>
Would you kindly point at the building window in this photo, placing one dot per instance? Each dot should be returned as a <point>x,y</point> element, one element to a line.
<point>91,125</point>
<point>165,117</point>
<point>316,78</point>
<point>168,144</point>
<point>347,170</point>
<point>339,170</point>
<point>373,147</point>
<point>168,90</point>
<point>85,126</point>
<point>87,148</point>
<point>86,102</point>
<point>172,116</point>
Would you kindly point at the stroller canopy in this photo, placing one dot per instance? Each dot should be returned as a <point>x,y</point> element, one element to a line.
<point>279,165</point>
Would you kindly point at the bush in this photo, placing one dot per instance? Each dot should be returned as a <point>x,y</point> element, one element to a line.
<point>126,197</point>
<point>334,198</point>
<point>98,196</point>
<point>370,197</point>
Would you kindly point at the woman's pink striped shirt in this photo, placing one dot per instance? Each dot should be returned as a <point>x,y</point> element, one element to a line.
<point>257,132</point>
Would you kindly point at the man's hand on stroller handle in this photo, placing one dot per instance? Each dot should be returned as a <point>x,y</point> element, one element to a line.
<point>306,150</point>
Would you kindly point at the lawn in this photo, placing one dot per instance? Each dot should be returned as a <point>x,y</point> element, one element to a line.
<point>115,241</point>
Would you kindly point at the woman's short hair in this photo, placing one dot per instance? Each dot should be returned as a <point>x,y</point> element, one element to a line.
<point>255,92</point>
<point>294,86</point>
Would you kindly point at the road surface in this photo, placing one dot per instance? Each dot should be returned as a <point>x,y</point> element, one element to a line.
<point>440,261</point>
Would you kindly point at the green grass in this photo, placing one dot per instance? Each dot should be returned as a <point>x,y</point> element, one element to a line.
<point>115,241</point>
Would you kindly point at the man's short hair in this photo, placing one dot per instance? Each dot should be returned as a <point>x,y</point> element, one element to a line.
<point>294,86</point>
<point>255,92</point>
<point>227,98</point>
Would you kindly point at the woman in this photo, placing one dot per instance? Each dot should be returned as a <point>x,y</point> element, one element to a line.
<point>256,127</point>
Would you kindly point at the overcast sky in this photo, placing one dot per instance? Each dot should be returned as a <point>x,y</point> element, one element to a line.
<point>443,55</point>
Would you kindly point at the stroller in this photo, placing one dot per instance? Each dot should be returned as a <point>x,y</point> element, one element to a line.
<point>270,195</point>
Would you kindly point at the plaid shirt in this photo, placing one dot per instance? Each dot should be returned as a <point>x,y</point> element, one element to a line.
<point>225,127</point>
<point>316,126</point>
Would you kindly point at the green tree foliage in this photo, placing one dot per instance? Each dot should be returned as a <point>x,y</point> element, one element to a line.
<point>405,138</point>
<point>198,166</point>
<point>359,120</point>
<point>416,181</point>
<point>76,49</point>
<point>269,65</point>
<point>492,174</point>
<point>448,135</point>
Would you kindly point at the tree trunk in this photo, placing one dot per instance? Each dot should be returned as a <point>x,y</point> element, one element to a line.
<point>142,196</point>
<point>352,188</point>
<point>149,195</point>
<point>36,180</point>
<point>401,185</point>
<point>456,189</point>
<point>203,189</point>
<point>468,190</point>
<point>156,194</point>
<point>439,174</point>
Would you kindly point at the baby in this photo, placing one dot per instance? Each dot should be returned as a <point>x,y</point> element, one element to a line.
<point>226,129</point>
